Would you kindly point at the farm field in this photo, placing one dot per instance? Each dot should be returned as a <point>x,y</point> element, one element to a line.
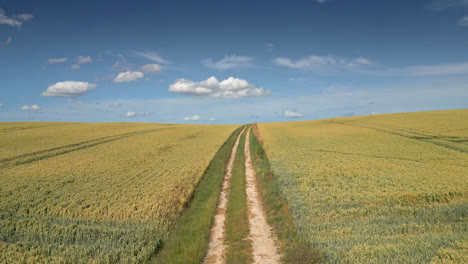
<point>376,189</point>
<point>98,193</point>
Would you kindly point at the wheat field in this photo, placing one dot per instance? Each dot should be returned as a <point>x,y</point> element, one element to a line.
<point>97,193</point>
<point>376,189</point>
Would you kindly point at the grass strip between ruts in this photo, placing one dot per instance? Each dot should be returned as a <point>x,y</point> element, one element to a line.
<point>239,247</point>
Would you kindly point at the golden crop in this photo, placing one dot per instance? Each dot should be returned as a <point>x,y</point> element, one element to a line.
<point>98,193</point>
<point>377,189</point>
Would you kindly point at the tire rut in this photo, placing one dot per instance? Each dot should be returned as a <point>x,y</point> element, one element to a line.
<point>217,247</point>
<point>57,151</point>
<point>264,241</point>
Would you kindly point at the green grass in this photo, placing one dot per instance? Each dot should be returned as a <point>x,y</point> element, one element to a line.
<point>239,247</point>
<point>293,248</point>
<point>187,242</point>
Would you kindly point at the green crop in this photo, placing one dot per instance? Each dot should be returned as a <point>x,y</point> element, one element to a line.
<point>377,189</point>
<point>97,193</point>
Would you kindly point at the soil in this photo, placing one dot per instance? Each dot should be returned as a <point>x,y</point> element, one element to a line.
<point>264,242</point>
<point>216,247</point>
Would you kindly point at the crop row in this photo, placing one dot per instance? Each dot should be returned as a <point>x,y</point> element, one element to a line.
<point>377,188</point>
<point>104,195</point>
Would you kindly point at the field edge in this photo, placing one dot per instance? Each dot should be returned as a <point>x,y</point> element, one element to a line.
<point>279,216</point>
<point>187,241</point>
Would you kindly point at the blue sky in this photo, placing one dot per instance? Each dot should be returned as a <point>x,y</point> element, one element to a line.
<point>230,61</point>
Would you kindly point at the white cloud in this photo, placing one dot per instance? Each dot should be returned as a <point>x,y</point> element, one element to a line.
<point>192,118</point>
<point>76,66</point>
<point>323,63</point>
<point>8,41</point>
<point>82,59</point>
<point>463,21</point>
<point>128,76</point>
<point>14,21</point>
<point>291,114</point>
<point>69,88</point>
<point>151,56</point>
<point>230,88</point>
<point>228,62</point>
<point>116,65</point>
<point>33,107</point>
<point>58,60</point>
<point>322,1</point>
<point>130,114</point>
<point>410,94</point>
<point>152,68</point>
<point>212,119</point>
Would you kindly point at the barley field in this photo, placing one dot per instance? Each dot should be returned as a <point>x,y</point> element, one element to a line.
<point>376,189</point>
<point>97,193</point>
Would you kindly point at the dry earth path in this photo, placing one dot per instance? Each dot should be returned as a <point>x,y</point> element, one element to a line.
<point>264,241</point>
<point>216,247</point>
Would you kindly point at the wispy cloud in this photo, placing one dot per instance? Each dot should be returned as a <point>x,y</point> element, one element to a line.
<point>463,21</point>
<point>322,1</point>
<point>105,77</point>
<point>58,60</point>
<point>361,65</point>
<point>8,41</point>
<point>80,60</point>
<point>83,59</point>
<point>444,4</point>
<point>270,47</point>
<point>152,68</point>
<point>75,101</point>
<point>232,88</point>
<point>151,56</point>
<point>431,70</point>
<point>69,89</point>
<point>228,62</point>
<point>115,104</point>
<point>128,76</point>
<point>122,64</point>
<point>323,63</point>
<point>15,20</point>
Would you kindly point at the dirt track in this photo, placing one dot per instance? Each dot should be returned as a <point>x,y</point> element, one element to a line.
<point>264,241</point>
<point>216,247</point>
